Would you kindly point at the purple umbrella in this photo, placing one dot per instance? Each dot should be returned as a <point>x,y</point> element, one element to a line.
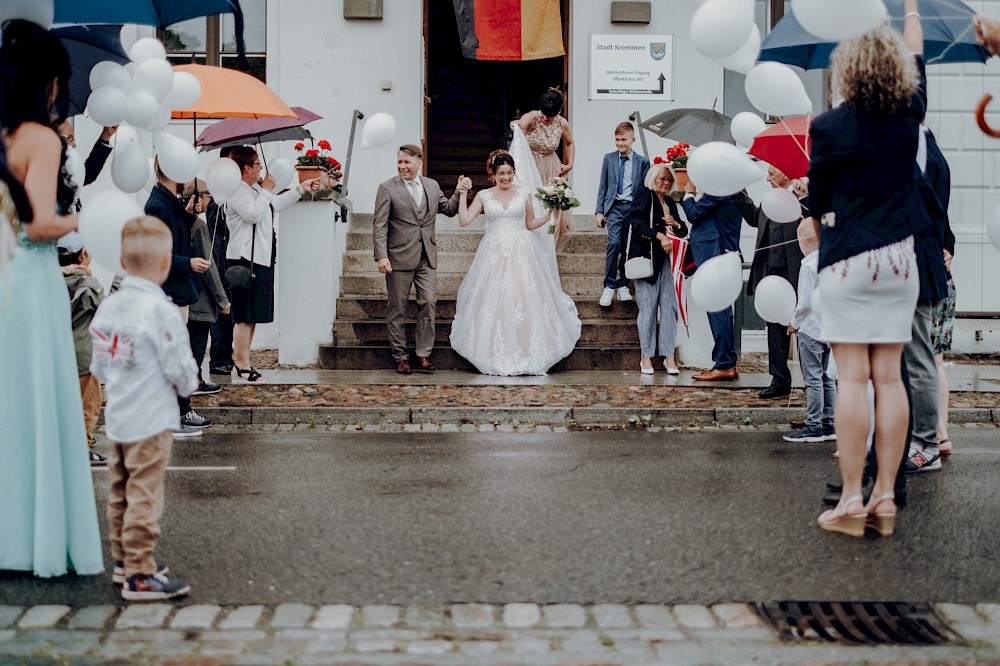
<point>239,131</point>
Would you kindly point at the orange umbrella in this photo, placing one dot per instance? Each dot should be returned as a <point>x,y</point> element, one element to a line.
<point>228,93</point>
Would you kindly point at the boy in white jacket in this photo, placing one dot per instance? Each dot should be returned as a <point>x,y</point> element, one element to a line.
<point>143,357</point>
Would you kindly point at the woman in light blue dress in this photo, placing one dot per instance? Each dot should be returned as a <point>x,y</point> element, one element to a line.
<point>48,515</point>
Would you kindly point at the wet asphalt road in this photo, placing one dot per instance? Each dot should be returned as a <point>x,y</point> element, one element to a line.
<point>578,517</point>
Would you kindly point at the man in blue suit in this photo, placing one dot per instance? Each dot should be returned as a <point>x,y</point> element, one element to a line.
<point>622,175</point>
<point>715,230</point>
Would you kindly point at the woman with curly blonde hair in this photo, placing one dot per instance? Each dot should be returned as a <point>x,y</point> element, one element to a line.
<point>864,197</point>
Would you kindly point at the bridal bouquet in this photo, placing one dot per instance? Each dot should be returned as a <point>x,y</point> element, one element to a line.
<point>557,195</point>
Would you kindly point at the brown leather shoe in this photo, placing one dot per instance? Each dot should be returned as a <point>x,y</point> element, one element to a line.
<point>425,365</point>
<point>716,375</point>
<point>404,368</point>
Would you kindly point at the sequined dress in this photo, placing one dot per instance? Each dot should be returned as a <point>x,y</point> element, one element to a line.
<point>512,317</point>
<point>48,515</point>
<point>543,140</point>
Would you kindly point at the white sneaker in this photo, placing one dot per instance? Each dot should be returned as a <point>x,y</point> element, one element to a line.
<point>623,295</point>
<point>606,297</point>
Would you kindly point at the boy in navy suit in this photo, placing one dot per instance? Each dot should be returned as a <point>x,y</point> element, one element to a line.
<point>622,173</point>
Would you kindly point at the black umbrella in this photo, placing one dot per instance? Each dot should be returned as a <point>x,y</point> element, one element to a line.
<point>88,45</point>
<point>693,126</point>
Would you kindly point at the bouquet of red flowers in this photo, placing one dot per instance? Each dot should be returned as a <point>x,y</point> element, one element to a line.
<point>319,158</point>
<point>677,156</point>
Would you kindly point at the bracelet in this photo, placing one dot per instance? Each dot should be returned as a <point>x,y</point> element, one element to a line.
<point>909,14</point>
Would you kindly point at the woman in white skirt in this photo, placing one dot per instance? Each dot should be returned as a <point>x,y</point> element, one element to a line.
<point>863,196</point>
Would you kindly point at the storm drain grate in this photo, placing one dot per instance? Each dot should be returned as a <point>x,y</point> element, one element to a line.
<point>856,622</point>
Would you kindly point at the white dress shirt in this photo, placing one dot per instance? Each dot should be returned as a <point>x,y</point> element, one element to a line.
<point>416,190</point>
<point>142,355</point>
<point>251,210</point>
<point>804,320</point>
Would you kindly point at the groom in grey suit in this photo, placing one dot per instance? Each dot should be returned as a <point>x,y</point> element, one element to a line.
<point>406,207</point>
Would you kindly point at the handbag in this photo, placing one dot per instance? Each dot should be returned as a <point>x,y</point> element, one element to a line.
<point>240,277</point>
<point>638,268</point>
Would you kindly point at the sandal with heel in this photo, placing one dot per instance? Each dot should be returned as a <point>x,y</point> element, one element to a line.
<point>252,375</point>
<point>883,523</point>
<point>838,520</point>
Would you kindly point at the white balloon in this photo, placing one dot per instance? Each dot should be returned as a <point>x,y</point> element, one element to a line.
<point>106,106</point>
<point>836,21</point>
<point>282,170</point>
<point>129,169</point>
<point>743,60</point>
<point>780,205</point>
<point>816,304</point>
<point>147,48</point>
<point>141,109</point>
<point>160,122</point>
<point>746,126</point>
<point>720,27</point>
<point>155,77</point>
<point>76,166</point>
<point>100,224</point>
<point>774,300</point>
<point>100,73</point>
<point>378,130</point>
<point>775,89</point>
<point>119,78</point>
<point>123,136</point>
<point>40,12</point>
<point>151,179</point>
<point>721,169</point>
<point>993,227</point>
<point>178,158</point>
<point>223,179</point>
<point>718,282</point>
<point>184,93</point>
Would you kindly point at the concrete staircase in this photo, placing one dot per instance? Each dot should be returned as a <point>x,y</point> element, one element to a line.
<point>609,339</point>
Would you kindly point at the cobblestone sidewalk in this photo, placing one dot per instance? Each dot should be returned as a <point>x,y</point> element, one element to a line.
<point>518,633</point>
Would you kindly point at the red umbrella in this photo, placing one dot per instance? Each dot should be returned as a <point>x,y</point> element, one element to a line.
<point>232,130</point>
<point>785,146</point>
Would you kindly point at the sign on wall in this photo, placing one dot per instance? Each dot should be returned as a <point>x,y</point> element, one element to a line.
<point>638,67</point>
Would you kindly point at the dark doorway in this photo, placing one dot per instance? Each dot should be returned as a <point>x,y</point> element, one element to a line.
<point>470,103</point>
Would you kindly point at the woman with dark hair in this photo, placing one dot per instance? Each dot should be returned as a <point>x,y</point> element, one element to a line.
<point>511,315</point>
<point>545,130</point>
<point>48,524</point>
<point>864,196</point>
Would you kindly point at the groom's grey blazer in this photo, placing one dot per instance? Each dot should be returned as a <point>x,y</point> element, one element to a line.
<point>401,231</point>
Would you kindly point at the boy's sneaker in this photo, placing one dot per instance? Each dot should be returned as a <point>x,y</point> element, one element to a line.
<point>829,434</point>
<point>920,461</point>
<point>623,295</point>
<point>805,434</point>
<point>205,388</point>
<point>118,573</point>
<point>186,431</point>
<point>97,460</point>
<point>193,420</point>
<point>606,297</point>
<point>141,587</point>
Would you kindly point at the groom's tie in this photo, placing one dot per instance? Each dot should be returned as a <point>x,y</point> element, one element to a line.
<point>415,191</point>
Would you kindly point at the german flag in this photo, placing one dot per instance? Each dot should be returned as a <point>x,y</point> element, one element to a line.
<point>509,29</point>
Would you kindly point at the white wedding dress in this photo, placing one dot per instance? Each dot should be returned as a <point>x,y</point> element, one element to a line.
<point>512,317</point>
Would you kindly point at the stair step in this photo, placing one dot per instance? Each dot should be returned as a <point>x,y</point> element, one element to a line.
<point>586,286</point>
<point>468,241</point>
<point>359,308</point>
<point>374,332</point>
<point>362,261</point>
<point>367,357</point>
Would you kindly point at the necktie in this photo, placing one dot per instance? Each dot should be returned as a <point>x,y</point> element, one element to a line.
<point>415,192</point>
<point>621,175</point>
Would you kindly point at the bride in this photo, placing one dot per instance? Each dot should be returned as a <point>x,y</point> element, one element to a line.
<point>512,317</point>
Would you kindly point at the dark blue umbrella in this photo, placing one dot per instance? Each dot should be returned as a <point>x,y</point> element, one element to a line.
<point>88,45</point>
<point>159,13</point>
<point>949,36</point>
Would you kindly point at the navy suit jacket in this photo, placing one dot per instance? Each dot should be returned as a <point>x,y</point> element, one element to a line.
<point>609,179</point>
<point>715,224</point>
<point>931,223</point>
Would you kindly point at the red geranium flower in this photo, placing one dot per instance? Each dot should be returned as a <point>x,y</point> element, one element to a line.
<point>299,146</point>
<point>318,157</point>
<point>323,144</point>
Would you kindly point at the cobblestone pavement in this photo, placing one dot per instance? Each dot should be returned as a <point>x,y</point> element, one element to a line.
<point>517,633</point>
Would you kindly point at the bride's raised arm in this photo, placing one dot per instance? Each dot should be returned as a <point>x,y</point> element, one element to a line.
<point>467,213</point>
<point>531,221</point>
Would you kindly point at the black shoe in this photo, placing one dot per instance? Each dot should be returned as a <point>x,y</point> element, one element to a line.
<point>226,369</point>
<point>805,434</point>
<point>206,388</point>
<point>97,460</point>
<point>835,487</point>
<point>775,391</point>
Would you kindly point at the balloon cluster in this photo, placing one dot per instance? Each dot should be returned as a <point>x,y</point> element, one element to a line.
<point>143,94</point>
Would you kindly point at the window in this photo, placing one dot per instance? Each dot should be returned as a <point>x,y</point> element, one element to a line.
<point>211,40</point>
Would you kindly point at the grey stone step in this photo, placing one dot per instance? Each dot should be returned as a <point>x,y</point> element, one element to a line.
<point>362,261</point>
<point>584,357</point>
<point>374,332</point>
<point>579,222</point>
<point>588,286</point>
<point>588,242</point>
<point>359,308</point>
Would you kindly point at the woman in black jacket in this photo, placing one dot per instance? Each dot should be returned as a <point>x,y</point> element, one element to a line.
<point>653,212</point>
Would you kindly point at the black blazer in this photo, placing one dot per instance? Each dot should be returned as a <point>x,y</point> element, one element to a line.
<point>790,253</point>
<point>931,224</point>
<point>646,220</point>
<point>183,285</point>
<point>861,169</point>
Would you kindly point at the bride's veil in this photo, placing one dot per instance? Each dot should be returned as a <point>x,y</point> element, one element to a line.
<point>526,175</point>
